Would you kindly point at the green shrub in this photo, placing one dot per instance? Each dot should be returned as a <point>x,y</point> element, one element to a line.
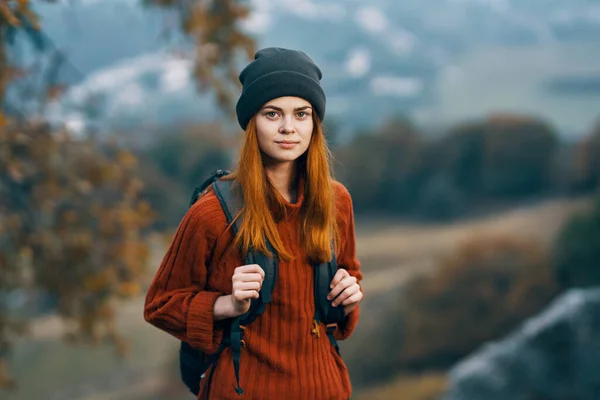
<point>481,292</point>
<point>382,169</point>
<point>503,157</point>
<point>519,157</point>
<point>584,168</point>
<point>441,200</point>
<point>577,249</point>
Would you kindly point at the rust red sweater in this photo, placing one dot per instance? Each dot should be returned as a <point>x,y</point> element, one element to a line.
<point>282,359</point>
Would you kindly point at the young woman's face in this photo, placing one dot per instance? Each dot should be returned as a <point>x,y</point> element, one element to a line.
<point>284,127</point>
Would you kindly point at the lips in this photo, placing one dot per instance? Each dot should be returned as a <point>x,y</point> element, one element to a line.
<point>287,144</point>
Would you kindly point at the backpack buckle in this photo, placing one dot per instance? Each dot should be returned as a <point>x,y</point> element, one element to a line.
<point>330,328</point>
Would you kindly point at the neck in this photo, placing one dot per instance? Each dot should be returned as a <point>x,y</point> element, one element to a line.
<point>283,178</point>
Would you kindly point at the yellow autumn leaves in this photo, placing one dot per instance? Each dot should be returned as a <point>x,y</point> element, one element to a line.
<point>72,224</point>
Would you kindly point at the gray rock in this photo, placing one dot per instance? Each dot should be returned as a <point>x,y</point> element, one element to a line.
<point>554,355</point>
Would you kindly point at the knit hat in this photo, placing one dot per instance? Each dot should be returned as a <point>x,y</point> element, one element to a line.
<point>277,72</point>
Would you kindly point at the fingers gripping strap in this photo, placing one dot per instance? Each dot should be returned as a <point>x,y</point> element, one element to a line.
<point>232,204</point>
<point>322,289</point>
<point>334,314</point>
<point>257,306</point>
<point>269,265</point>
<point>324,311</point>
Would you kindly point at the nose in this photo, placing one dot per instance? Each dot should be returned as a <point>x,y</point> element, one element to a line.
<point>287,125</point>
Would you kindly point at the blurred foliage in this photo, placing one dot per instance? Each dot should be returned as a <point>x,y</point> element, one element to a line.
<point>72,215</point>
<point>178,161</point>
<point>397,169</point>
<point>72,224</point>
<point>15,15</point>
<point>503,156</point>
<point>576,251</point>
<point>480,292</point>
<point>73,219</point>
<point>401,170</point>
<point>18,18</point>
<point>383,167</point>
<point>214,28</point>
<point>585,171</point>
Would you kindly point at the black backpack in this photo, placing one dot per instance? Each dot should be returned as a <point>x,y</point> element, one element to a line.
<point>193,362</point>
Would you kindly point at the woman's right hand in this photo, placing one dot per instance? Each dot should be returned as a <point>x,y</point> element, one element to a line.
<point>247,281</point>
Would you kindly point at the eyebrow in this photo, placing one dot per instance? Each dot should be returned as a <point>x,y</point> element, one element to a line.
<point>281,110</point>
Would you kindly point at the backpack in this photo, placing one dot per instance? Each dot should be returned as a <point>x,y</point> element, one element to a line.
<point>193,362</point>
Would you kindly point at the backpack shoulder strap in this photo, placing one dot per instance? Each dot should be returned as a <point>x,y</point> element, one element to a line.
<point>324,311</point>
<point>232,203</point>
<point>194,363</point>
<point>212,178</point>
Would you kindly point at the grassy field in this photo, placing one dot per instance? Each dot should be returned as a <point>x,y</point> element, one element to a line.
<point>390,253</point>
<point>418,387</point>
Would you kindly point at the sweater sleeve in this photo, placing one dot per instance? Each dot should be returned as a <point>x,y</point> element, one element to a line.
<point>177,301</point>
<point>347,257</point>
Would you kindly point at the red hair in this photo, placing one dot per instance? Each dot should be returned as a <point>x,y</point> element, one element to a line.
<point>260,212</point>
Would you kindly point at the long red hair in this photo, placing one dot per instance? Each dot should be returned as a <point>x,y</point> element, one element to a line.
<point>261,211</point>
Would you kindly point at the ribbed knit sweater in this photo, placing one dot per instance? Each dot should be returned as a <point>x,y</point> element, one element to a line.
<point>281,359</point>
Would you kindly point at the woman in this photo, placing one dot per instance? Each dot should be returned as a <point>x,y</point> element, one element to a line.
<point>292,200</point>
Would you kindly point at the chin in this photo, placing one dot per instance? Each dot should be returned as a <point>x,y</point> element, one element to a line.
<point>278,156</point>
<point>285,159</point>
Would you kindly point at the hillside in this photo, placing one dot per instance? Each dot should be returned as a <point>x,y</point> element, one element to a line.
<point>390,254</point>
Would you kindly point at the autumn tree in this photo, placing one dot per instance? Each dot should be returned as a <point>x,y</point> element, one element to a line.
<point>213,27</point>
<point>72,220</point>
<point>73,226</point>
<point>72,217</point>
<point>18,20</point>
<point>15,16</point>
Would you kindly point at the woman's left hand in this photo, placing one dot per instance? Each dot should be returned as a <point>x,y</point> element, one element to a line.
<point>348,289</point>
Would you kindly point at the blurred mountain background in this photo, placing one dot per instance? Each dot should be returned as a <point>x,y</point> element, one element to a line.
<point>467,132</point>
<point>435,61</point>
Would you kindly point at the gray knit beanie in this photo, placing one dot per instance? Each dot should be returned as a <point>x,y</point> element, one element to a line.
<point>277,72</point>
